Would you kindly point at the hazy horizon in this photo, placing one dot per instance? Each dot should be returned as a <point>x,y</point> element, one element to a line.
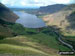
<point>33,3</point>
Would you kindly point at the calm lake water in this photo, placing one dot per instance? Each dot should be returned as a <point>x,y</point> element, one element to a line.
<point>29,20</point>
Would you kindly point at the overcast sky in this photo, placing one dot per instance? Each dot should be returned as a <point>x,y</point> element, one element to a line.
<point>34,3</point>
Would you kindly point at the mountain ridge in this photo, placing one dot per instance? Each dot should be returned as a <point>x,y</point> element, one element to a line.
<point>51,8</point>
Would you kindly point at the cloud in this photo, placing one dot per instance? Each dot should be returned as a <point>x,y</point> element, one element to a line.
<point>23,3</point>
<point>33,2</point>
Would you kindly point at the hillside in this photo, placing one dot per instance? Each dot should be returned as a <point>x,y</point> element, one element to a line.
<point>43,43</point>
<point>51,8</point>
<point>65,21</point>
<point>71,20</point>
<point>6,14</point>
<point>60,18</point>
<point>7,17</point>
<point>69,7</point>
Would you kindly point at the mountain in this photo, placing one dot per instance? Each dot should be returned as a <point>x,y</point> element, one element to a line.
<point>6,14</point>
<point>7,17</point>
<point>62,19</point>
<point>51,8</point>
<point>69,7</point>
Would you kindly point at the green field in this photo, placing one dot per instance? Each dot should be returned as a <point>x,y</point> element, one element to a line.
<point>31,42</point>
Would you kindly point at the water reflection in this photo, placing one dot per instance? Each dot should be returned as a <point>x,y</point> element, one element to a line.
<point>29,20</point>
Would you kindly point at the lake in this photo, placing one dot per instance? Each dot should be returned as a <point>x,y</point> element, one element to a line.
<point>29,20</point>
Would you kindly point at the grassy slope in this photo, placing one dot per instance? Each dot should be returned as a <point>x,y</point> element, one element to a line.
<point>20,45</point>
<point>44,42</point>
<point>4,29</point>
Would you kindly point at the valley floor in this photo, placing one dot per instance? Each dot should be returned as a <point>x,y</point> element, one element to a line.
<point>43,43</point>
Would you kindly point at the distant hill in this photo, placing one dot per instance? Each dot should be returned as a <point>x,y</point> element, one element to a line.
<point>63,18</point>
<point>7,17</point>
<point>27,10</point>
<point>51,8</point>
<point>42,10</point>
<point>69,7</point>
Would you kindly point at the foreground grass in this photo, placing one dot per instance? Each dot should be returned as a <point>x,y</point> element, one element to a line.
<point>36,44</point>
<point>19,50</point>
<point>20,45</point>
<point>31,42</point>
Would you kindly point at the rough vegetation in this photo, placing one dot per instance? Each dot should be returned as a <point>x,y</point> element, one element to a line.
<point>7,17</point>
<point>62,19</point>
<point>26,41</point>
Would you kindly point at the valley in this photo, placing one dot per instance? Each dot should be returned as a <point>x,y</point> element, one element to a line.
<point>25,33</point>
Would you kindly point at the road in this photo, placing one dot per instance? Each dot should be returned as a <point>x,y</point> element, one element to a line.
<point>61,40</point>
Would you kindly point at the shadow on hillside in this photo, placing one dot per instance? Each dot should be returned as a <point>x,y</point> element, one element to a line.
<point>71,20</point>
<point>2,37</point>
<point>71,40</point>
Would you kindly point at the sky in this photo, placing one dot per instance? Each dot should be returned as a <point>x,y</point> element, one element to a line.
<point>34,3</point>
